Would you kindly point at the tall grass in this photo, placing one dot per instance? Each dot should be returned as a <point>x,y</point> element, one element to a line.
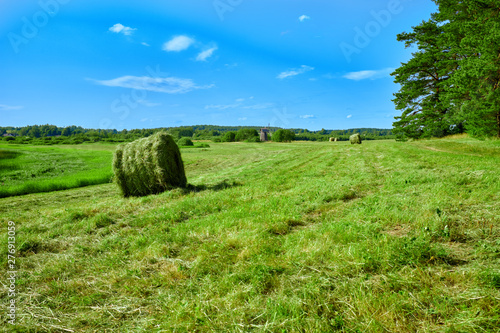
<point>25,170</point>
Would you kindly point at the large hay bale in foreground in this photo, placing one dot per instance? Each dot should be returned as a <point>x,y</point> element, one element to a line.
<point>355,139</point>
<point>149,166</point>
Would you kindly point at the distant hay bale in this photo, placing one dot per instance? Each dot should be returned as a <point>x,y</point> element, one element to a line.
<point>149,166</point>
<point>355,139</point>
<point>332,140</point>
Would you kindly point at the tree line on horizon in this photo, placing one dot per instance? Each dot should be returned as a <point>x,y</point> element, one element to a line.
<point>451,84</point>
<point>51,134</point>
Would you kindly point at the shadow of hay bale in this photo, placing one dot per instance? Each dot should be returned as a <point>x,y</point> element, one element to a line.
<point>217,187</point>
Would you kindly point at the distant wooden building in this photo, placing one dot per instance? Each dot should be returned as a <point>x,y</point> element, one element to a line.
<point>264,134</point>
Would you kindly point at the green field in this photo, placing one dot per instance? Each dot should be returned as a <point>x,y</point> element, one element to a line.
<point>35,169</point>
<point>300,237</point>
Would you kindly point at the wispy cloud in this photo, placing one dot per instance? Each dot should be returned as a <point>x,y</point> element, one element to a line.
<point>303,18</point>
<point>221,107</point>
<point>145,44</point>
<point>120,28</point>
<point>349,116</point>
<point>240,103</point>
<point>148,103</point>
<point>168,85</point>
<point>4,107</point>
<point>307,116</point>
<point>259,106</point>
<point>242,119</point>
<point>295,71</point>
<point>178,43</point>
<point>203,56</point>
<point>369,75</point>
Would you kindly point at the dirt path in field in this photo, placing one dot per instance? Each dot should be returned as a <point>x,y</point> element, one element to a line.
<point>450,152</point>
<point>435,149</point>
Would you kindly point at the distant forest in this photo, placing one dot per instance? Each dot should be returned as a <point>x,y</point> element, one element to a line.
<point>50,134</point>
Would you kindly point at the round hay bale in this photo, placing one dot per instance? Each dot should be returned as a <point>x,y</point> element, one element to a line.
<point>332,140</point>
<point>149,166</point>
<point>355,139</point>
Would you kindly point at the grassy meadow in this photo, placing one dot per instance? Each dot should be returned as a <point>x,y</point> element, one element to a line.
<point>299,237</point>
<point>35,169</point>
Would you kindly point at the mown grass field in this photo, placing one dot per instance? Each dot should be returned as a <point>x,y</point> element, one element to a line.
<point>299,237</point>
<point>36,169</point>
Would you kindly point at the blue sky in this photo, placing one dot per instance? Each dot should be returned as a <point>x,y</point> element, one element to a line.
<point>145,64</point>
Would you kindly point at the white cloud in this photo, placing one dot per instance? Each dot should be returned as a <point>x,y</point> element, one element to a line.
<point>168,85</point>
<point>242,119</point>
<point>203,56</point>
<point>307,116</point>
<point>303,18</point>
<point>370,74</point>
<point>178,43</point>
<point>4,107</point>
<point>349,116</point>
<point>222,107</point>
<point>239,100</point>
<point>120,28</point>
<point>145,44</point>
<point>295,71</point>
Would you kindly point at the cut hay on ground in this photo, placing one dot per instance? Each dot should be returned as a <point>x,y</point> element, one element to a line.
<point>149,166</point>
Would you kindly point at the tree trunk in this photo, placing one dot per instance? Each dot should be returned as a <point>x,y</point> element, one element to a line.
<point>498,123</point>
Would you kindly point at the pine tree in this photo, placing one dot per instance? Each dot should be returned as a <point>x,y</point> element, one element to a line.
<point>474,33</point>
<point>423,82</point>
<point>453,80</point>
